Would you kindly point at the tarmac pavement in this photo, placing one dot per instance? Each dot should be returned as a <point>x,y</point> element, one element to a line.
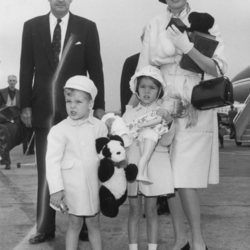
<point>225,209</point>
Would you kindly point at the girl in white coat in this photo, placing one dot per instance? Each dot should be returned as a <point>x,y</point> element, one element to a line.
<point>194,151</point>
<point>72,162</point>
<point>147,84</point>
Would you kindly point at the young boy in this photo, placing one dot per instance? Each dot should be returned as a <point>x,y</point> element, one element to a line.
<point>72,162</point>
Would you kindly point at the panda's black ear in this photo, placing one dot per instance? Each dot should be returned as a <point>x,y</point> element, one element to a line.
<point>117,138</point>
<point>100,143</point>
<point>106,152</point>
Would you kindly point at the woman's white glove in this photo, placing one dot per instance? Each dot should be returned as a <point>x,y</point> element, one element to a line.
<point>180,39</point>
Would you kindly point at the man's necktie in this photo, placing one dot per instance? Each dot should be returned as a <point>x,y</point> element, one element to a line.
<point>56,42</point>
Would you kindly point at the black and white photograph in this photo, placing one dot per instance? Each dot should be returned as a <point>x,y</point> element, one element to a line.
<point>124,125</point>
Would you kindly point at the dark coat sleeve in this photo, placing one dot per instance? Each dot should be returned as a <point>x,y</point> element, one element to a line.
<point>26,67</point>
<point>128,71</point>
<point>2,102</point>
<point>94,64</point>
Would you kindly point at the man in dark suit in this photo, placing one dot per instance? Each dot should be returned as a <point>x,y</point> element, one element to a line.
<point>9,97</point>
<point>42,99</point>
<point>231,115</point>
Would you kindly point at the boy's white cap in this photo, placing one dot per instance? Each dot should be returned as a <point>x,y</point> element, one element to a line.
<point>82,83</point>
<point>148,70</point>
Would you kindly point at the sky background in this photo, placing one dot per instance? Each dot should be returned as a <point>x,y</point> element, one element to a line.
<point>120,23</point>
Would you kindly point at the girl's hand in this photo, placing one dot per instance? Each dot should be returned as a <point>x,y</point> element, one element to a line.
<point>180,39</point>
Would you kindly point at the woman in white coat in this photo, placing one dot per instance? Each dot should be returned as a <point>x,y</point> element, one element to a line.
<point>194,151</point>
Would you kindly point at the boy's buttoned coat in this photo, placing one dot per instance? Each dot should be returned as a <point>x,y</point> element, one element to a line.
<point>72,163</point>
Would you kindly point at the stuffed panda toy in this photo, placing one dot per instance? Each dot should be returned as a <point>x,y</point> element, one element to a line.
<point>113,173</point>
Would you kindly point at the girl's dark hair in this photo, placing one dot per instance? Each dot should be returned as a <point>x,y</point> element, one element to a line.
<point>156,82</point>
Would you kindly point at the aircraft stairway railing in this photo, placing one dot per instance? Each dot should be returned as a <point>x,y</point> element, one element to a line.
<point>242,123</point>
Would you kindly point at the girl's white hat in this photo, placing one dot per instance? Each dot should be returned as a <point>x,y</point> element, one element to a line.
<point>82,83</point>
<point>150,71</point>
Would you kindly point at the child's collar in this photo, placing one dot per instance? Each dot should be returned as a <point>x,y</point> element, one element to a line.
<point>152,105</point>
<point>80,122</point>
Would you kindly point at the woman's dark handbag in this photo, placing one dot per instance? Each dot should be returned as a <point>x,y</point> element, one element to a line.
<point>213,93</point>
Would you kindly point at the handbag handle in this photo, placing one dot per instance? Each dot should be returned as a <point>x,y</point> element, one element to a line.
<point>218,66</point>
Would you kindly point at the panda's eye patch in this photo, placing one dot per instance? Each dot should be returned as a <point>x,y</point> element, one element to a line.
<point>118,153</point>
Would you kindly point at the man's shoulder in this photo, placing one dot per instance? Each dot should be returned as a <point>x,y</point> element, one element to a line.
<point>3,90</point>
<point>36,22</point>
<point>37,19</point>
<point>133,58</point>
<point>81,19</point>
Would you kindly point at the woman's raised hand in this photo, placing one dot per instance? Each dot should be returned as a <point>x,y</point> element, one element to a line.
<point>180,40</point>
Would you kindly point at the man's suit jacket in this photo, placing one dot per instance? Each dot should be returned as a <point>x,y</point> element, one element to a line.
<point>128,71</point>
<point>4,95</point>
<point>37,66</point>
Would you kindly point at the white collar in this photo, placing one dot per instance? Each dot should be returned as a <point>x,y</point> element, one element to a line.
<point>53,19</point>
<point>148,107</point>
<point>80,122</point>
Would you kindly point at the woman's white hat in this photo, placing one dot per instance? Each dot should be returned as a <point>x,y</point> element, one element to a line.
<point>82,83</point>
<point>150,71</point>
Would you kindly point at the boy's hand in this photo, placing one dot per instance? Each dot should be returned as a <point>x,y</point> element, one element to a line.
<point>57,200</point>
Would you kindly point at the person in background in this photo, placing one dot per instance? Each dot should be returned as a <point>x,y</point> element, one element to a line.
<point>9,97</point>
<point>220,131</point>
<point>128,70</point>
<point>29,142</point>
<point>194,150</point>
<point>72,162</point>
<point>231,114</point>
<point>43,42</point>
